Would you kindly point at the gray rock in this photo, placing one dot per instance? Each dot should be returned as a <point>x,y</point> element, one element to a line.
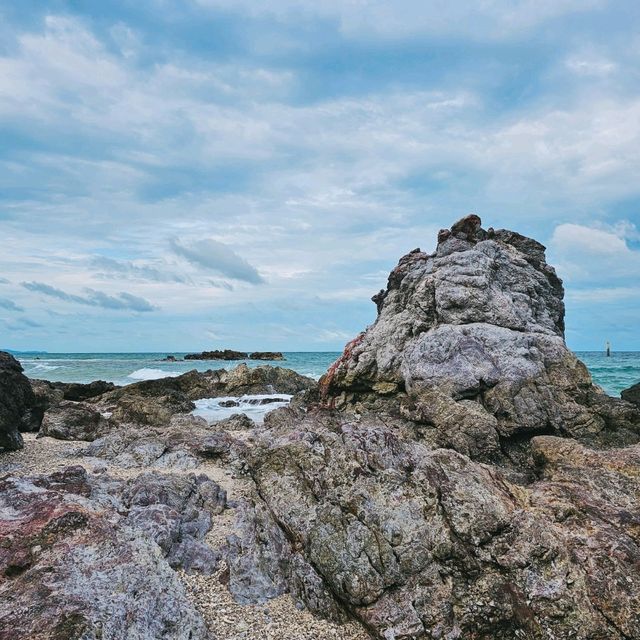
<point>452,495</point>
<point>632,394</point>
<point>69,420</point>
<point>423,543</point>
<point>19,409</point>
<point>72,567</point>
<point>471,340</point>
<point>75,391</point>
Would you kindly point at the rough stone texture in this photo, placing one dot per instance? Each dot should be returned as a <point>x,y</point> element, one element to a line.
<point>69,420</point>
<point>480,320</point>
<point>46,393</point>
<point>19,410</point>
<point>419,542</point>
<point>186,441</point>
<point>79,557</point>
<point>458,492</point>
<point>632,394</point>
<point>175,511</point>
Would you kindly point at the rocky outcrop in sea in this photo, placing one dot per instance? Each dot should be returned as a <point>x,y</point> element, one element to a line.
<point>229,354</point>
<point>455,474</point>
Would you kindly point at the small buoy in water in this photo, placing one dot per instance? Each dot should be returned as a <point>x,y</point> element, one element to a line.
<point>608,349</point>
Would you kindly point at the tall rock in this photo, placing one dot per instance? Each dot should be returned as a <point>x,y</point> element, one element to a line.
<point>467,487</point>
<point>470,341</point>
<point>19,410</point>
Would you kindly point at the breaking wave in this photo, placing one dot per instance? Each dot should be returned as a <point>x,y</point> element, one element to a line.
<point>152,374</point>
<point>255,406</point>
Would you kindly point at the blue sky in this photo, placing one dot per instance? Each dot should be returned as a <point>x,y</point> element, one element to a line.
<point>237,173</point>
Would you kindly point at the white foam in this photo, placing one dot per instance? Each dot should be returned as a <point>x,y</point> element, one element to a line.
<point>43,366</point>
<point>152,374</point>
<point>212,409</point>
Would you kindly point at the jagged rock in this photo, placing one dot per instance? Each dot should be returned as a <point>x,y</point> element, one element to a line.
<point>70,420</point>
<point>176,512</point>
<point>266,355</point>
<point>427,543</point>
<point>226,354</point>
<point>150,410</point>
<point>439,501</point>
<point>52,393</point>
<point>632,394</point>
<point>46,393</point>
<point>469,341</point>
<point>182,445</point>
<point>19,409</point>
<point>75,565</point>
<point>236,422</point>
<point>78,391</point>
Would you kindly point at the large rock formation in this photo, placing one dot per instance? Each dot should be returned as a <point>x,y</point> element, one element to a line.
<point>19,410</point>
<point>425,543</point>
<point>456,493</point>
<point>469,343</point>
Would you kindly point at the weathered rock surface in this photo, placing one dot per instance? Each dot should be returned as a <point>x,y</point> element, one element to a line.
<point>632,394</point>
<point>69,420</point>
<point>84,557</point>
<point>459,491</point>
<point>421,542</point>
<point>19,409</point>
<point>469,343</point>
<point>185,442</point>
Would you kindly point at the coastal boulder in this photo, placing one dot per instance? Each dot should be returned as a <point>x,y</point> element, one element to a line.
<point>226,354</point>
<point>75,565</point>
<point>70,420</point>
<point>154,402</point>
<point>19,409</point>
<point>632,394</point>
<point>426,543</point>
<point>266,355</point>
<point>469,343</point>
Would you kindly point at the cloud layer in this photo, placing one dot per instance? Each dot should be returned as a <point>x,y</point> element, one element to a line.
<point>121,301</point>
<point>253,170</point>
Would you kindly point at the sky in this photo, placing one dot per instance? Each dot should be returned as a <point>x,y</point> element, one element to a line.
<point>201,174</point>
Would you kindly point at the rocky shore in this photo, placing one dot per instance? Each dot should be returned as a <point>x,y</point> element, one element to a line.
<point>228,354</point>
<point>454,475</point>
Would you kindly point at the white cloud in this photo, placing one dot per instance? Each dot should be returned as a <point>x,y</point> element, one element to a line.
<point>596,258</point>
<point>323,191</point>
<point>589,65</point>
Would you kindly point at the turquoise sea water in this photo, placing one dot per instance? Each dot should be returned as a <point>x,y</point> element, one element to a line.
<point>613,374</point>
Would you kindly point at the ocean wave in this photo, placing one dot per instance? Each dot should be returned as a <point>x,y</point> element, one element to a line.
<point>256,406</point>
<point>43,366</point>
<point>152,374</point>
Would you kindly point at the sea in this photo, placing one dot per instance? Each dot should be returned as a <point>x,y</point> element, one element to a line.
<point>613,374</point>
